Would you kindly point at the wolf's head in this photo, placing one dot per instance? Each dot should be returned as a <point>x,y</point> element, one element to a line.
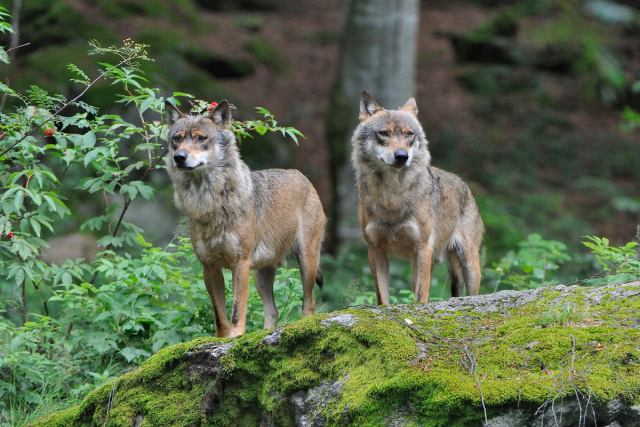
<point>388,138</point>
<point>199,142</point>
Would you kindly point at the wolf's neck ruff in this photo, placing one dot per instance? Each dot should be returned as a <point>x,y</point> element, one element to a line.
<point>209,195</point>
<point>392,194</point>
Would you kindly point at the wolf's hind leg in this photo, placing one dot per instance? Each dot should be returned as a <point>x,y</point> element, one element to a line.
<point>471,271</point>
<point>307,249</point>
<point>464,260</point>
<point>214,282</point>
<point>263,278</point>
<point>455,273</point>
<point>308,261</point>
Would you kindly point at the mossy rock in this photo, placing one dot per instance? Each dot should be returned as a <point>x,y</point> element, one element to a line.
<point>561,356</point>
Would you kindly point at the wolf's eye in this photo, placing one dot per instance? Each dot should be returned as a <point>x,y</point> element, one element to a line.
<point>409,133</point>
<point>176,139</point>
<point>202,138</point>
<point>383,133</point>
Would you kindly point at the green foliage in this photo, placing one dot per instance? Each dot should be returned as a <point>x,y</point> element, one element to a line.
<point>531,266</point>
<point>619,264</point>
<point>65,328</point>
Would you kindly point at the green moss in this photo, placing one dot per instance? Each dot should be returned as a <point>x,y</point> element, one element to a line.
<point>503,358</point>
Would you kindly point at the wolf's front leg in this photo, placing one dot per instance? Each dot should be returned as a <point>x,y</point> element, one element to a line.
<point>422,273</point>
<point>240,273</point>
<point>214,282</point>
<point>379,263</point>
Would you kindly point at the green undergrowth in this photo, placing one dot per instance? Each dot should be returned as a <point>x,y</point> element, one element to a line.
<point>439,366</point>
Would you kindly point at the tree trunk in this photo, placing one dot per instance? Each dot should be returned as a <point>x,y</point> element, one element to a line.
<point>378,54</point>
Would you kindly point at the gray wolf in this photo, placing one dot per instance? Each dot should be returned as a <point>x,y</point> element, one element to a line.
<point>241,220</point>
<point>409,208</point>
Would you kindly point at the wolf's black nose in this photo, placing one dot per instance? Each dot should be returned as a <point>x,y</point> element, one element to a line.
<point>401,157</point>
<point>180,156</point>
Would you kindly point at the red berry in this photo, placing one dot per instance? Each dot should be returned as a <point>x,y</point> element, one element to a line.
<point>49,132</point>
<point>212,106</point>
<point>9,235</point>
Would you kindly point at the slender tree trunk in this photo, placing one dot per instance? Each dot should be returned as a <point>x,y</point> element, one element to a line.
<point>15,24</point>
<point>378,54</point>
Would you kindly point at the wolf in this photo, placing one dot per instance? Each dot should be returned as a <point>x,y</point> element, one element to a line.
<point>409,208</point>
<point>241,220</point>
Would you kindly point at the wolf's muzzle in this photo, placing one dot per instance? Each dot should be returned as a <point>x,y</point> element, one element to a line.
<point>400,158</point>
<point>180,157</point>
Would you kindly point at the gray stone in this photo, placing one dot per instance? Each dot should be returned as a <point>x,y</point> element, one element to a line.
<point>205,359</point>
<point>511,418</point>
<point>400,417</point>
<point>346,320</point>
<point>138,421</point>
<point>308,405</point>
<point>531,345</point>
<point>273,339</point>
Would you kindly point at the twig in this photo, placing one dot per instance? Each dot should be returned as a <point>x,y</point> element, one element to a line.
<point>473,369</point>
<point>16,47</point>
<point>571,375</point>
<point>598,275</point>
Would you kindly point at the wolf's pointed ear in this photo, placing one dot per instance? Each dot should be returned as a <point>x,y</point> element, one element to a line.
<point>173,114</point>
<point>368,106</point>
<point>410,107</point>
<point>221,115</point>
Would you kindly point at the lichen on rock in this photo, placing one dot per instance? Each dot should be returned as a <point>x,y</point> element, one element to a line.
<point>558,356</point>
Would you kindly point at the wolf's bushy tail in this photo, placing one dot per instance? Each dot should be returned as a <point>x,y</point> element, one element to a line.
<point>319,278</point>
<point>455,265</point>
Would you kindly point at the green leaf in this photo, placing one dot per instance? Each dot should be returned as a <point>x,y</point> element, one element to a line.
<point>146,104</point>
<point>4,56</point>
<point>527,268</point>
<point>17,202</point>
<point>5,88</point>
<point>145,190</point>
<point>35,225</point>
<point>261,129</point>
<point>293,136</point>
<point>66,278</point>
<point>90,156</point>
<point>89,140</point>
<point>142,242</point>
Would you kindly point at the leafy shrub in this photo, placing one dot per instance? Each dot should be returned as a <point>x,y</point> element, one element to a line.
<point>531,266</point>
<point>65,328</point>
<point>618,264</point>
